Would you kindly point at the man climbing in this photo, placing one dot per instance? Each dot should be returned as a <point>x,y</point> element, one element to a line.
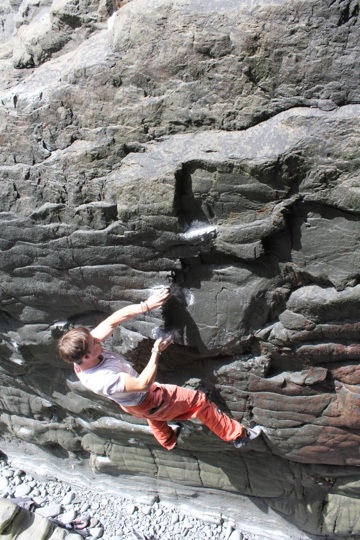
<point>110,375</point>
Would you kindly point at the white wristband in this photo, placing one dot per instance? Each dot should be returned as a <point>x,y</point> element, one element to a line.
<point>157,351</point>
<point>144,307</point>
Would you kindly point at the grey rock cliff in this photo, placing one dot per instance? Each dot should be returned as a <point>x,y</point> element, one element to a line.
<point>212,147</point>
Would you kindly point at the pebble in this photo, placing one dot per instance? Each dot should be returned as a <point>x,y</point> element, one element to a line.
<point>97,532</point>
<point>22,490</point>
<point>39,500</point>
<point>69,497</point>
<point>235,535</point>
<point>4,484</point>
<point>146,510</point>
<point>130,509</point>
<point>229,530</point>
<point>68,516</point>
<point>112,517</point>
<point>49,511</point>
<point>174,519</point>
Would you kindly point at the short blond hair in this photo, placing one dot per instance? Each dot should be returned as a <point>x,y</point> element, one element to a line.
<point>74,345</point>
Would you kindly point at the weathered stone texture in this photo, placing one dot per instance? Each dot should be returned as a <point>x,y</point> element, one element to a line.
<point>212,147</point>
<point>16,522</point>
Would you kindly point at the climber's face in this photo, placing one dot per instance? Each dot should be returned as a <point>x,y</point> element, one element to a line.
<point>94,349</point>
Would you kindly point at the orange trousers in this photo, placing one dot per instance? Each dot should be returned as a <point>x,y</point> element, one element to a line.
<point>166,402</point>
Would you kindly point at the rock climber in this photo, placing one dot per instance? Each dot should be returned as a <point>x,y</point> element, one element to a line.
<point>110,375</point>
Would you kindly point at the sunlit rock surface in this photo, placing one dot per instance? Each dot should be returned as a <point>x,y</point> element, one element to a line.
<point>212,147</point>
<point>16,522</point>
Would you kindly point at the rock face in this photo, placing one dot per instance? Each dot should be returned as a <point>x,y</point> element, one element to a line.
<point>15,521</point>
<point>212,147</point>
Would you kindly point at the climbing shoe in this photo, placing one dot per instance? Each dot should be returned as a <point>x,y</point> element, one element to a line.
<point>251,434</point>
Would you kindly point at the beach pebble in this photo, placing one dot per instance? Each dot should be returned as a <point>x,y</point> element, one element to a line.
<point>69,497</point>
<point>93,522</point>
<point>228,529</point>
<point>96,532</point>
<point>39,500</point>
<point>4,484</point>
<point>146,510</point>
<point>174,519</point>
<point>187,524</point>
<point>110,517</point>
<point>236,535</point>
<point>22,490</point>
<point>52,510</point>
<point>130,509</point>
<point>68,516</point>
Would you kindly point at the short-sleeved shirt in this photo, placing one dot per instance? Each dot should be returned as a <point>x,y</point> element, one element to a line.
<point>106,379</point>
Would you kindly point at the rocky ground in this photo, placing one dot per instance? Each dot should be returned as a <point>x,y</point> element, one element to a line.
<point>89,515</point>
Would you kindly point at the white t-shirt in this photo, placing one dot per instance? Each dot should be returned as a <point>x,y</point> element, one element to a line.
<point>106,379</point>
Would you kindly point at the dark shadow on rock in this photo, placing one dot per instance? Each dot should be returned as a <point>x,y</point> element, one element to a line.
<point>213,394</point>
<point>187,206</point>
<point>178,321</point>
<point>8,323</point>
